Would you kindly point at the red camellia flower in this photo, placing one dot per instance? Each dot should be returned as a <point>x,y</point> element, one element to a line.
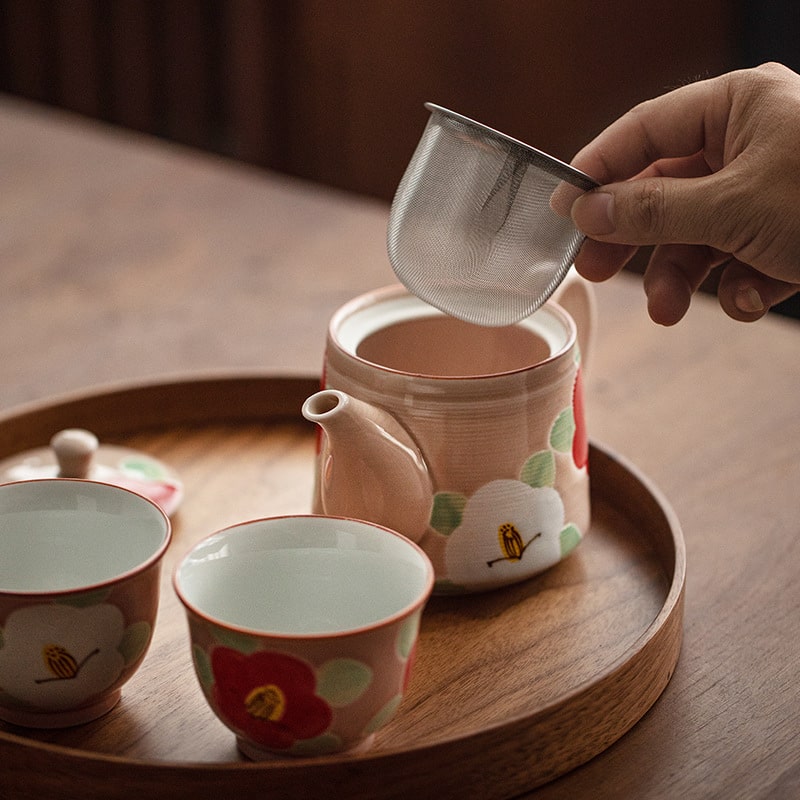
<point>580,442</point>
<point>269,697</point>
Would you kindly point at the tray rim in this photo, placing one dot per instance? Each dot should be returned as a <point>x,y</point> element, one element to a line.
<point>668,620</point>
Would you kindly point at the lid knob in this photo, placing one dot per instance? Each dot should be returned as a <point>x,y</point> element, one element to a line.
<point>74,449</point>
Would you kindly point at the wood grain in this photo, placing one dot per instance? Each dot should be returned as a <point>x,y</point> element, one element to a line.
<point>561,665</point>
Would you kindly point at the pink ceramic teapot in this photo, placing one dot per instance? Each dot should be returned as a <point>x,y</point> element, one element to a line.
<point>468,440</point>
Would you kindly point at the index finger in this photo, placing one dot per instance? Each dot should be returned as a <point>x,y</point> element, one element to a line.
<point>680,123</point>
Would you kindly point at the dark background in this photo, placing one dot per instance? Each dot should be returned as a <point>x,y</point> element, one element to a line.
<point>332,91</point>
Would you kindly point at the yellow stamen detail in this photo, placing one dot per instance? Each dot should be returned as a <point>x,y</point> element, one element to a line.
<point>59,661</point>
<point>266,702</point>
<point>511,544</point>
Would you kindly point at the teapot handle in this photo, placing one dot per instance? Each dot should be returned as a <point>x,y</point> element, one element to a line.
<point>576,296</point>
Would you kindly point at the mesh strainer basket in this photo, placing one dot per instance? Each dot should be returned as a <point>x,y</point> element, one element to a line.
<point>480,226</point>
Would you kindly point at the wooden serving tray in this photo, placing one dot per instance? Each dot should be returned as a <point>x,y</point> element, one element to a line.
<point>511,688</point>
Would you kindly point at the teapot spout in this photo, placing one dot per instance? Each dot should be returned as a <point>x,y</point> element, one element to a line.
<point>369,466</point>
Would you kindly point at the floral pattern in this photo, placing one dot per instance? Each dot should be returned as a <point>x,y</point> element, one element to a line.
<point>580,441</point>
<point>56,656</point>
<point>269,697</point>
<point>512,529</point>
<point>407,646</point>
<point>282,703</point>
<point>508,528</point>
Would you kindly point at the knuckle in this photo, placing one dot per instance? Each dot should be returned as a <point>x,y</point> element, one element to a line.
<point>648,208</point>
<point>771,71</point>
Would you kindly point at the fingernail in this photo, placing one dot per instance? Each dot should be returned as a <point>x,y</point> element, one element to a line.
<point>593,213</point>
<point>749,300</point>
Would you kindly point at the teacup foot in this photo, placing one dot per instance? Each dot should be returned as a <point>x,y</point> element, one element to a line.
<point>61,719</point>
<point>255,753</point>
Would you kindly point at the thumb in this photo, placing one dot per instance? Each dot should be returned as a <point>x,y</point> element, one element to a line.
<point>653,210</point>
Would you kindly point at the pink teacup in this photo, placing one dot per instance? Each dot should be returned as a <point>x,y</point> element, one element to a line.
<point>468,440</point>
<point>304,629</point>
<point>79,585</point>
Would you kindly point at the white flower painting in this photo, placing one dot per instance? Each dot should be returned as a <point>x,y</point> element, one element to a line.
<point>508,530</point>
<point>56,656</point>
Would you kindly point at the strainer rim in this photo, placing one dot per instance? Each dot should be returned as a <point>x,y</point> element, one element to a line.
<point>551,164</point>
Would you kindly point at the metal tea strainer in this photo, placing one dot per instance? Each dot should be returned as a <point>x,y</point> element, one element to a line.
<point>480,226</point>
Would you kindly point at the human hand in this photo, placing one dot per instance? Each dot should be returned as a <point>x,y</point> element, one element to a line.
<point>710,174</point>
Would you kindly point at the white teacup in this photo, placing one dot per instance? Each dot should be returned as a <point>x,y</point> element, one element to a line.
<point>303,629</point>
<point>79,587</point>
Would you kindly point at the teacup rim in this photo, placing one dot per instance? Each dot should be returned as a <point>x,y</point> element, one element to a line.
<point>420,600</point>
<point>120,577</point>
<point>373,296</point>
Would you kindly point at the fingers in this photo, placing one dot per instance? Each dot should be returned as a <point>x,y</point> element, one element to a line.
<point>674,274</point>
<point>654,164</point>
<point>659,210</point>
<point>598,261</point>
<point>693,166</point>
<point>747,295</point>
<point>687,120</point>
<point>707,169</point>
<point>598,213</point>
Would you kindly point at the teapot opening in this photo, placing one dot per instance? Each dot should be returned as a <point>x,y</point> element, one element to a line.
<point>448,347</point>
<point>398,332</point>
<point>322,403</point>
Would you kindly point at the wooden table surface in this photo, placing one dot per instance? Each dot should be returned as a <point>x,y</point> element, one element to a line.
<point>123,258</point>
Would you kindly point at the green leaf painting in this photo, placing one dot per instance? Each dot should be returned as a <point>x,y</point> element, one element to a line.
<point>563,431</point>
<point>202,665</point>
<point>407,636</point>
<point>342,681</point>
<point>134,641</point>
<point>539,470</point>
<point>448,508</point>
<point>570,538</point>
